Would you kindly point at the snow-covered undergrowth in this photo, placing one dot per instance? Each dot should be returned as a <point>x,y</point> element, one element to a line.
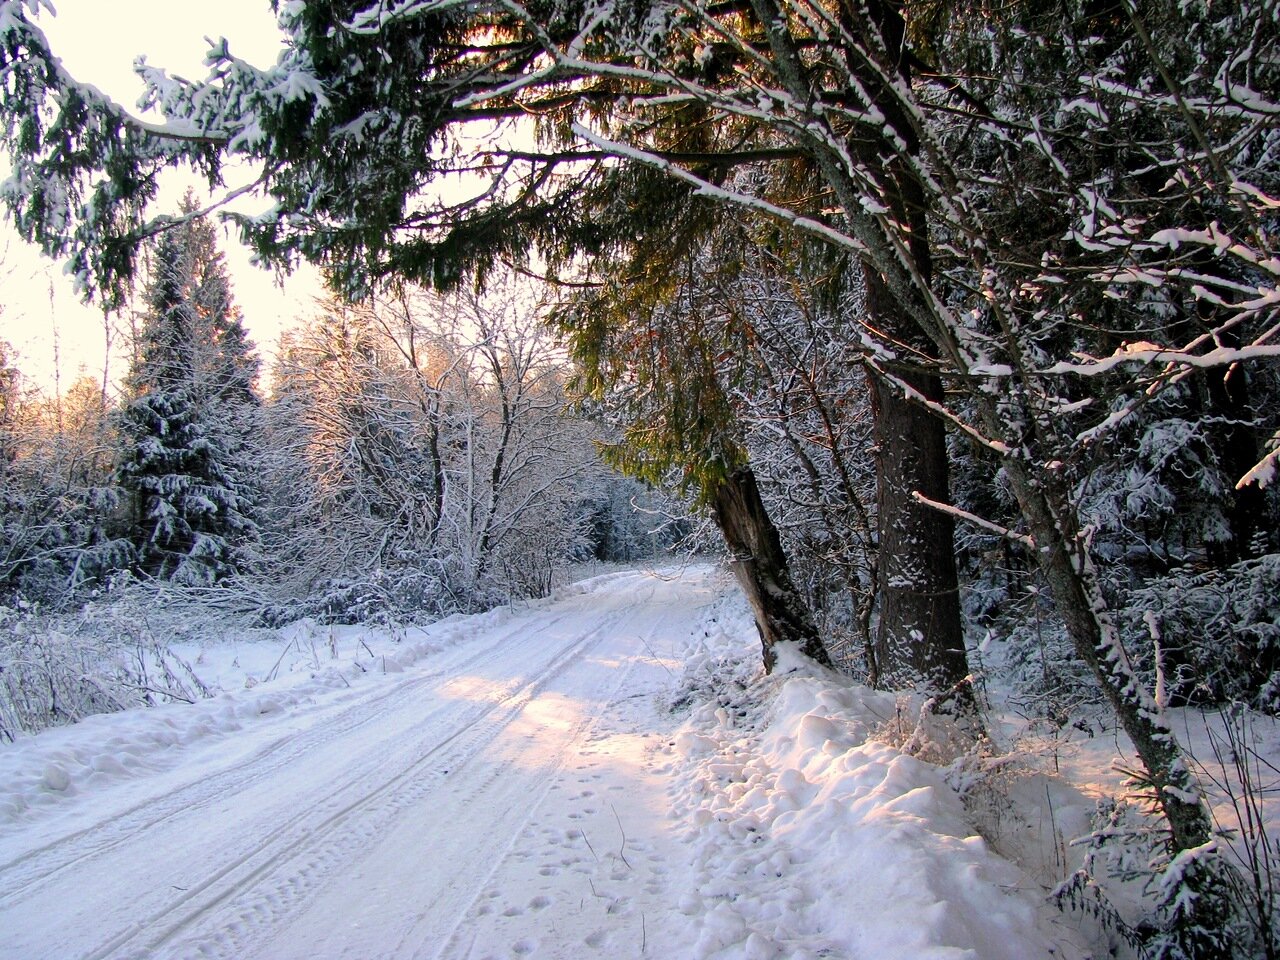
<point>815,836</point>
<point>142,644</point>
<point>812,838</point>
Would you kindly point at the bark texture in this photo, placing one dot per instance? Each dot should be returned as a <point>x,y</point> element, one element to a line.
<point>918,635</point>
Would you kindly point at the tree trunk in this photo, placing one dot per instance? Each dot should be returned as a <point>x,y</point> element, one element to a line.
<point>760,566</point>
<point>919,635</point>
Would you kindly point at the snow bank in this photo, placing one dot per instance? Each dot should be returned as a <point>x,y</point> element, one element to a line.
<point>810,839</point>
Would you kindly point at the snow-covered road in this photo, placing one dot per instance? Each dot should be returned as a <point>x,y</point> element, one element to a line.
<point>504,797</point>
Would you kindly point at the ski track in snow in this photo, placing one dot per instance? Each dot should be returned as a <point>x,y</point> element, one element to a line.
<point>504,798</point>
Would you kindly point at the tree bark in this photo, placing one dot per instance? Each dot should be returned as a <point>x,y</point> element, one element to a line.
<point>761,569</point>
<point>918,635</point>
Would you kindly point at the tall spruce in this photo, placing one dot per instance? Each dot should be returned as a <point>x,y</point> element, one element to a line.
<point>186,426</point>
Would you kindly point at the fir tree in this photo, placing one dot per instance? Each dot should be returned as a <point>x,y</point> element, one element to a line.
<point>186,429</point>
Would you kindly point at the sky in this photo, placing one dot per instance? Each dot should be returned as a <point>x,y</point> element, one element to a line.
<point>40,315</point>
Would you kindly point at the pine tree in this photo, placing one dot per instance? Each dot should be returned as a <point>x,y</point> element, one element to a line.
<point>185,430</point>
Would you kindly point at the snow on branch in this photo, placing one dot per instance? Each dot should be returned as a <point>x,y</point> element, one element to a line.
<point>961,514</point>
<point>1264,471</point>
<point>1143,351</point>
<point>914,395</point>
<point>712,191</point>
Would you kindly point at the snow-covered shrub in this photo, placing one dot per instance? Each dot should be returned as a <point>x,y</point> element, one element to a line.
<point>1183,907</point>
<point>413,594</point>
<point>59,669</point>
<point>1211,636</point>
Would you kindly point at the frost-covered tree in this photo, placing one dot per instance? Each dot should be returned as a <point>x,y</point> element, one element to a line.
<point>668,363</point>
<point>10,381</point>
<point>356,443</point>
<point>10,498</point>
<point>58,506</point>
<point>187,420</point>
<point>435,435</point>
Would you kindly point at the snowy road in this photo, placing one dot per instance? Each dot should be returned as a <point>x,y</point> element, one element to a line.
<point>502,798</point>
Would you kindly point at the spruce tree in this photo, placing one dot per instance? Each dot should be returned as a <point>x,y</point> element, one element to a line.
<point>187,425</point>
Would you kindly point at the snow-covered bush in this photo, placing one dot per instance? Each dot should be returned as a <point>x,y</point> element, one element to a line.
<point>58,509</point>
<point>414,594</point>
<point>1212,635</point>
<point>58,669</point>
<point>1182,907</point>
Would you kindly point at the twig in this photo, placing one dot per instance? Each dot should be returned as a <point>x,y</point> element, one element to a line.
<point>271,674</point>
<point>160,691</point>
<point>654,657</point>
<point>621,856</point>
<point>976,520</point>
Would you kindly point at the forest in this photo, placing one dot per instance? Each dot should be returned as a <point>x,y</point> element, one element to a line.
<point>956,324</point>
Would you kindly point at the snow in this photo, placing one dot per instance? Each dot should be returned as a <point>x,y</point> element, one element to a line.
<point>602,774</point>
<point>813,839</point>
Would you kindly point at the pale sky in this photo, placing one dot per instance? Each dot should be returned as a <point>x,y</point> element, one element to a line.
<point>97,41</point>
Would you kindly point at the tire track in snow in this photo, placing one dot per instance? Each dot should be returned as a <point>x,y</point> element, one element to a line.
<point>274,876</point>
<point>19,876</point>
<point>451,946</point>
<point>549,850</point>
